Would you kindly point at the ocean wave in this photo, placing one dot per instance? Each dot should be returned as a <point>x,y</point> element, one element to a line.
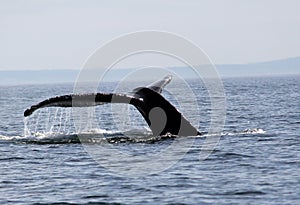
<point>246,132</point>
<point>106,136</point>
<point>91,136</point>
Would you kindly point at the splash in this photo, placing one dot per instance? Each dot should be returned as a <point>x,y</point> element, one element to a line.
<point>44,123</point>
<point>55,125</point>
<point>248,131</point>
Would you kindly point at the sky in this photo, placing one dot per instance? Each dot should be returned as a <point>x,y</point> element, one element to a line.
<point>62,34</point>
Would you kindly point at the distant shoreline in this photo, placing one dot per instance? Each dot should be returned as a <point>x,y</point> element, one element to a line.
<point>276,68</point>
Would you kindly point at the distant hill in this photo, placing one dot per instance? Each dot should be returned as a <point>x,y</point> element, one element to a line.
<point>290,66</point>
<point>37,77</point>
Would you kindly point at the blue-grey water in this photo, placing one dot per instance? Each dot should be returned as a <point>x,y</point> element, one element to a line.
<point>49,165</point>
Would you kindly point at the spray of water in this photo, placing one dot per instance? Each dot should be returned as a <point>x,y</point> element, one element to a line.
<point>49,122</point>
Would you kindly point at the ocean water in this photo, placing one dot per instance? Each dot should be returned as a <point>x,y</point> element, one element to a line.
<point>256,161</point>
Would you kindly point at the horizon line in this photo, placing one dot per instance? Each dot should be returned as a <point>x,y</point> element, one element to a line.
<point>174,66</point>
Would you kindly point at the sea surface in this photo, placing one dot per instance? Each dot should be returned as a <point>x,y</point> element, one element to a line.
<point>44,160</point>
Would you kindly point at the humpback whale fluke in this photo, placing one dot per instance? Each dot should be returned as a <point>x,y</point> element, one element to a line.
<point>161,116</point>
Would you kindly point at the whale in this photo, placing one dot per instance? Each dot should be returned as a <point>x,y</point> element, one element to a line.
<point>162,117</point>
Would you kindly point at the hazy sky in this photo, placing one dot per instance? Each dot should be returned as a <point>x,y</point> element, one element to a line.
<point>61,34</point>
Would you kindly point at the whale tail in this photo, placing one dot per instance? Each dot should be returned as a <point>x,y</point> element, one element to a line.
<point>161,116</point>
